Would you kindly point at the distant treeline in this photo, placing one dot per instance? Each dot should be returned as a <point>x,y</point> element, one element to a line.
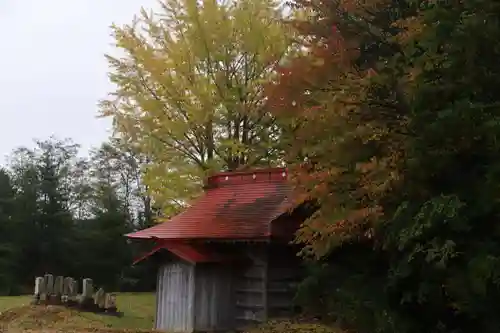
<point>67,215</point>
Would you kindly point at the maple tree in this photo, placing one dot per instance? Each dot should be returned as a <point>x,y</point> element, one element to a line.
<point>189,89</point>
<point>348,112</point>
<point>395,117</point>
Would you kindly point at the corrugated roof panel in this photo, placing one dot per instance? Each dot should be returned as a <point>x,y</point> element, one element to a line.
<point>238,205</point>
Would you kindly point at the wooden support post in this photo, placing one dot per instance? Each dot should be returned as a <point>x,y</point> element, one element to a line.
<point>265,278</point>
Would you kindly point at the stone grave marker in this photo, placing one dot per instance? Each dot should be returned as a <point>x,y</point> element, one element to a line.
<point>67,285</point>
<point>100,298</point>
<point>49,284</point>
<point>86,298</point>
<point>110,303</point>
<point>48,281</point>
<point>88,288</point>
<point>64,290</point>
<point>67,281</point>
<point>58,288</point>
<point>39,286</point>
<point>73,292</point>
<point>39,290</point>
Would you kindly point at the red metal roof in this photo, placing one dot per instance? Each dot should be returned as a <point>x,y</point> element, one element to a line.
<point>189,252</point>
<point>237,205</point>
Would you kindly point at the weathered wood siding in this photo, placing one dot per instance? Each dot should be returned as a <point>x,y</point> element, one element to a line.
<point>266,286</point>
<point>224,297</point>
<point>284,274</point>
<point>250,287</point>
<point>214,304</point>
<point>175,297</point>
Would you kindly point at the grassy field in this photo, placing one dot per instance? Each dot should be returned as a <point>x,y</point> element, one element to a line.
<point>17,316</point>
<point>12,302</point>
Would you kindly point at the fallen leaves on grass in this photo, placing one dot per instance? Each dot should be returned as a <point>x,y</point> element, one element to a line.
<point>294,326</point>
<point>53,319</point>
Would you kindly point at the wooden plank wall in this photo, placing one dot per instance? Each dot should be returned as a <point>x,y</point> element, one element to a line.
<point>214,304</point>
<point>266,287</point>
<point>175,297</point>
<point>219,297</point>
<point>284,274</point>
<point>251,288</point>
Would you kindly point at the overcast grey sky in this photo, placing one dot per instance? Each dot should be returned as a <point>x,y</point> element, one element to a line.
<point>53,69</point>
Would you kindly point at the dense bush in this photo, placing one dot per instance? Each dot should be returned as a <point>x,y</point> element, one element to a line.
<point>394,114</point>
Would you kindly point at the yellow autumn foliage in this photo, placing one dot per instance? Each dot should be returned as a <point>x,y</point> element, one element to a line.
<point>189,89</point>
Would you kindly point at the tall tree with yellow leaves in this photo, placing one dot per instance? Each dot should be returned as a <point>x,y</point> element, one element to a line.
<point>189,89</point>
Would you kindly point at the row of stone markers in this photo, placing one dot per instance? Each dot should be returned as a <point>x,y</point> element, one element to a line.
<point>59,290</point>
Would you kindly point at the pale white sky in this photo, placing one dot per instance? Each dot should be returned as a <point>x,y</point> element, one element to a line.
<point>53,69</point>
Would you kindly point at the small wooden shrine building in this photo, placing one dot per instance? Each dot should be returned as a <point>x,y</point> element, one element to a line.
<point>226,262</point>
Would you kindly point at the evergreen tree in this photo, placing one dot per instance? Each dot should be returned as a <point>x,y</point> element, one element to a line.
<point>9,249</point>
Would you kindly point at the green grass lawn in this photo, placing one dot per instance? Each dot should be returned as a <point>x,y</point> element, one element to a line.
<point>12,302</point>
<point>138,313</point>
<point>17,316</point>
